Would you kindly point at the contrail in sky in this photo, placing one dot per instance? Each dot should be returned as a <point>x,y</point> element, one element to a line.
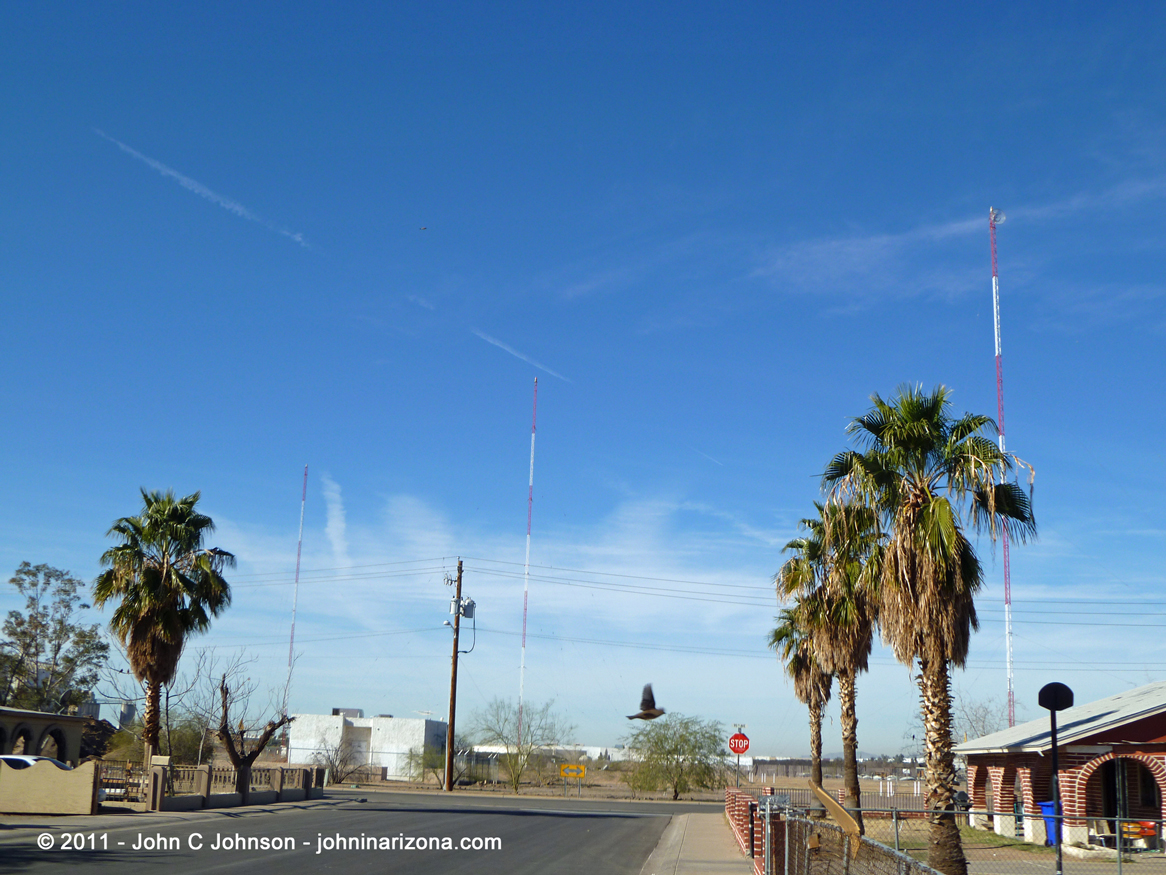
<point>517,354</point>
<point>202,191</point>
<point>706,455</point>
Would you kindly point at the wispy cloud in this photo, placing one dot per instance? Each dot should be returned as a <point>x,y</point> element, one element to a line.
<point>931,258</point>
<point>518,355</point>
<point>202,191</point>
<point>1118,196</point>
<point>337,527</point>
<point>874,263</point>
<point>420,302</point>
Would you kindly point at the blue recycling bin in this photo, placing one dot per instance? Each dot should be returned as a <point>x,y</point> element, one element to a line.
<point>1048,811</point>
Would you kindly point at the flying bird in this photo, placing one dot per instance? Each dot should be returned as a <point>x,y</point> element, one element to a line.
<point>648,709</point>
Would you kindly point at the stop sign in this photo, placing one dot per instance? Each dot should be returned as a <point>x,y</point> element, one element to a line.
<point>739,743</point>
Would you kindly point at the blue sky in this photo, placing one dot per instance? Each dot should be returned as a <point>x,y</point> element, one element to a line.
<point>237,239</point>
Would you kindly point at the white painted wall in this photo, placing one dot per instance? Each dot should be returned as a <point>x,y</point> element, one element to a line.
<point>378,741</point>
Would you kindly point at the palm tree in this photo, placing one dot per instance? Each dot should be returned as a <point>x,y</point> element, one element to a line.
<point>830,572</point>
<point>168,586</point>
<point>920,469</point>
<point>812,684</point>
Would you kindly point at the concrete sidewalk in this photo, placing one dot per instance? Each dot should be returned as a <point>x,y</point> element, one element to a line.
<point>698,844</point>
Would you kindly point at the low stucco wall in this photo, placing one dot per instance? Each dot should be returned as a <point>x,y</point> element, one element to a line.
<point>182,803</point>
<point>196,802</point>
<point>43,788</point>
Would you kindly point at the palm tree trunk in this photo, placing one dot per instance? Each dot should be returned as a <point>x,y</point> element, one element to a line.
<point>151,720</point>
<point>849,719</point>
<point>945,850</point>
<point>816,744</point>
<point>816,809</point>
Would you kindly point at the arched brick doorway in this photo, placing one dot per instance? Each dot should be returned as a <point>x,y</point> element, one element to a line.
<point>1125,787</point>
<point>1128,786</point>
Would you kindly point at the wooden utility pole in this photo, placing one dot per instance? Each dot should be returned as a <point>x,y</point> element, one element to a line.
<point>449,742</point>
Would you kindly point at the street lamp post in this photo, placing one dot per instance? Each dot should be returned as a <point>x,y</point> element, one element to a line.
<point>1057,697</point>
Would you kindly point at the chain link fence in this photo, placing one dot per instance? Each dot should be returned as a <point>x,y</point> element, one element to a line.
<point>819,847</point>
<point>788,840</point>
<point>1094,846</point>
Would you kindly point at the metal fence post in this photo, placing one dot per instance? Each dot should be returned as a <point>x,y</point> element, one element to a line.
<point>895,822</point>
<point>768,868</point>
<point>1117,843</point>
<point>786,872</point>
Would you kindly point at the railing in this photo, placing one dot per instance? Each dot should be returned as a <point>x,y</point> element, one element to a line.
<point>183,780</point>
<point>293,779</point>
<point>263,779</point>
<point>222,780</point>
<point>121,781</point>
<point>191,780</point>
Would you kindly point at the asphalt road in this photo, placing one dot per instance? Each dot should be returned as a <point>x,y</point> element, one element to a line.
<point>386,833</point>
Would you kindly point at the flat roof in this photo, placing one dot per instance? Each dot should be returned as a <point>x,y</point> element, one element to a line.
<point>18,713</point>
<point>1074,724</point>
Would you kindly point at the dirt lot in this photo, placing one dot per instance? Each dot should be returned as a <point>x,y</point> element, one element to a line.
<point>608,784</point>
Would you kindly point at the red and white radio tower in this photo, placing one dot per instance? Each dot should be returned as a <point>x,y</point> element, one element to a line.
<point>995,217</point>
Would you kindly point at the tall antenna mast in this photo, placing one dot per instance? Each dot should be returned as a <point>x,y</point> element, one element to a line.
<point>995,217</point>
<point>526,565</point>
<point>291,645</point>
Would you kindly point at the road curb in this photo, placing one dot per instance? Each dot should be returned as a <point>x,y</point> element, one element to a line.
<point>665,857</point>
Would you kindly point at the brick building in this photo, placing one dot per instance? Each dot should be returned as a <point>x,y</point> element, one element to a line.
<point>1111,757</point>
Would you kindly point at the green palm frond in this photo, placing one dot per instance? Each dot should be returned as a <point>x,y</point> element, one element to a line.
<point>921,471</point>
<point>167,584</point>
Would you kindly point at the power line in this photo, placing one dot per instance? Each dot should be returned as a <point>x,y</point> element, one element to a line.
<point>627,576</point>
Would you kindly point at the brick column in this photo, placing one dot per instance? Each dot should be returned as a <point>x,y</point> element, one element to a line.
<point>1034,824</point>
<point>977,790</point>
<point>1003,797</point>
<point>757,838</point>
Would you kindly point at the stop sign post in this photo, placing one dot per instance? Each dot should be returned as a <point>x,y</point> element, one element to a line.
<point>738,744</point>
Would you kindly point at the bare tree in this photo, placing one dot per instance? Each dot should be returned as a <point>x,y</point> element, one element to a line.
<point>235,741</point>
<point>498,724</point>
<point>430,760</point>
<point>340,758</point>
<point>193,703</point>
<point>218,693</point>
<point>975,718</point>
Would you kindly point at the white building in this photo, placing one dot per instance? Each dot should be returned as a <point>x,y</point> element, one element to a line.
<point>383,741</point>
